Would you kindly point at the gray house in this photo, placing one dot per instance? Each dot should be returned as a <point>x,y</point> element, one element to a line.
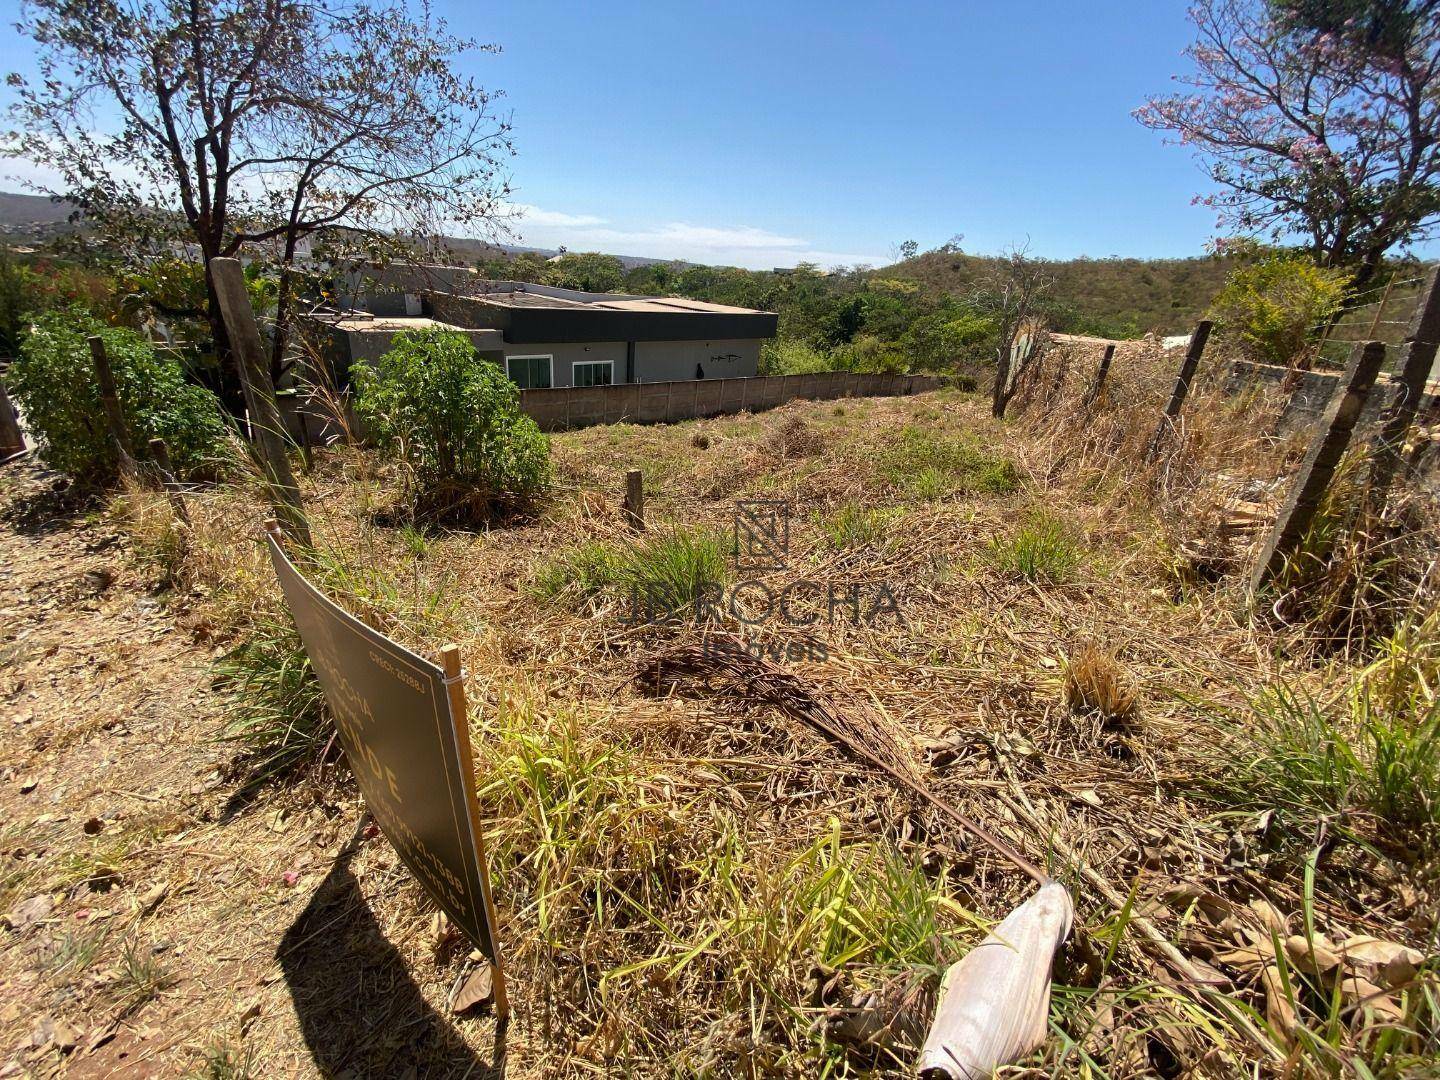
<point>545,337</point>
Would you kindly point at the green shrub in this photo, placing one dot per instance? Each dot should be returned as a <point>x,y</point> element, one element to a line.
<point>55,384</point>
<point>790,356</point>
<point>946,341</point>
<point>869,353</point>
<point>455,420</point>
<point>1041,550</point>
<point>1274,305</point>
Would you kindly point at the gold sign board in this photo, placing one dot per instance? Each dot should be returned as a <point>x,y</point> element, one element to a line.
<point>409,750</point>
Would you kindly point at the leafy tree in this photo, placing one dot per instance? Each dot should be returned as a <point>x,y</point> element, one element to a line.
<point>54,381</point>
<point>1274,306</point>
<point>588,272</point>
<point>949,340</point>
<point>529,266</point>
<point>652,279</point>
<point>1317,118</point>
<point>262,121</point>
<point>455,421</point>
<point>17,301</point>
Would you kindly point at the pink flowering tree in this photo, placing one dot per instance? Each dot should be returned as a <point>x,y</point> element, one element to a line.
<point>1317,119</point>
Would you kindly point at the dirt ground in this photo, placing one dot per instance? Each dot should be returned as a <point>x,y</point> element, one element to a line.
<point>158,923</point>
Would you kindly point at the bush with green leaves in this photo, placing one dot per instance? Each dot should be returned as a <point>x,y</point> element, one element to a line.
<point>455,420</point>
<point>950,340</point>
<point>791,356</point>
<point>55,383</point>
<point>1274,307</point>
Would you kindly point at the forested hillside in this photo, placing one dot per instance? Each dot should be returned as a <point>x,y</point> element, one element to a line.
<point>1115,297</point>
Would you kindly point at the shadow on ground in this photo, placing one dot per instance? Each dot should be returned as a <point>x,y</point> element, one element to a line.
<point>43,502</point>
<point>360,1012</point>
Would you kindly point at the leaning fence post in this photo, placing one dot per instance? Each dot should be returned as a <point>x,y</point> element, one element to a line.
<point>259,396</point>
<point>1100,374</point>
<point>12,440</point>
<point>161,454</point>
<point>634,509</point>
<point>110,402</point>
<point>1182,387</point>
<point>1321,461</point>
<point>1418,358</point>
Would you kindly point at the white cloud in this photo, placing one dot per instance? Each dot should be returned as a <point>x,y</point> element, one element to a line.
<point>534,215</point>
<point>741,245</point>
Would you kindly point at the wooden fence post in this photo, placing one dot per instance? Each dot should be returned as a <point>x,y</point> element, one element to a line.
<point>634,508</point>
<point>110,402</point>
<point>1182,387</point>
<point>1100,374</point>
<point>1421,339</point>
<point>12,440</point>
<point>265,423</point>
<point>1318,468</point>
<point>161,455</point>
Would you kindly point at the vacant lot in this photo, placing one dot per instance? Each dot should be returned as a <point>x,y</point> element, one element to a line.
<point>689,878</point>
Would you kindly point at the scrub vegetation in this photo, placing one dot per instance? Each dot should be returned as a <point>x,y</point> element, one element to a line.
<point>688,880</point>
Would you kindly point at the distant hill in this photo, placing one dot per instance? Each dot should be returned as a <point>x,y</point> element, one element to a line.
<point>27,213</point>
<point>1166,295</point>
<point>483,249</point>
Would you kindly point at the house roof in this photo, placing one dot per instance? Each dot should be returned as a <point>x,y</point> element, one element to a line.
<point>543,313</point>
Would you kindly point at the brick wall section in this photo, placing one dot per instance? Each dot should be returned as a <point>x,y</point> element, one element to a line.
<point>567,407</point>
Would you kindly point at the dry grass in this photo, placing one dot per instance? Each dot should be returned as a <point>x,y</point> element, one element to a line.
<point>697,884</point>
<point>1096,682</point>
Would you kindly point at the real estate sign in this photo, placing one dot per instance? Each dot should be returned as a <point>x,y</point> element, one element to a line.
<point>410,756</point>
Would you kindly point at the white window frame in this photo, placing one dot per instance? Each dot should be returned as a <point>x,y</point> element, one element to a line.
<point>593,363</point>
<point>549,358</point>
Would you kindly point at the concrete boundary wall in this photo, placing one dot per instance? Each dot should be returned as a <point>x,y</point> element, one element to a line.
<point>1311,392</point>
<point>565,407</point>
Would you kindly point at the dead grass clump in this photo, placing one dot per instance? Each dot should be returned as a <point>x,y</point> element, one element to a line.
<point>1218,431</point>
<point>159,538</point>
<point>1096,682</point>
<point>795,439</point>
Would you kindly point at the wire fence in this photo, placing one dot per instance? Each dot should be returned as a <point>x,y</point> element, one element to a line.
<point>1381,313</point>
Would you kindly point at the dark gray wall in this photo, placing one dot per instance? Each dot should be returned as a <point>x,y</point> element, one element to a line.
<point>722,359</point>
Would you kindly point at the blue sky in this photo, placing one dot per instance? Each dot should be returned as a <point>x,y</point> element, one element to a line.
<point>761,134</point>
